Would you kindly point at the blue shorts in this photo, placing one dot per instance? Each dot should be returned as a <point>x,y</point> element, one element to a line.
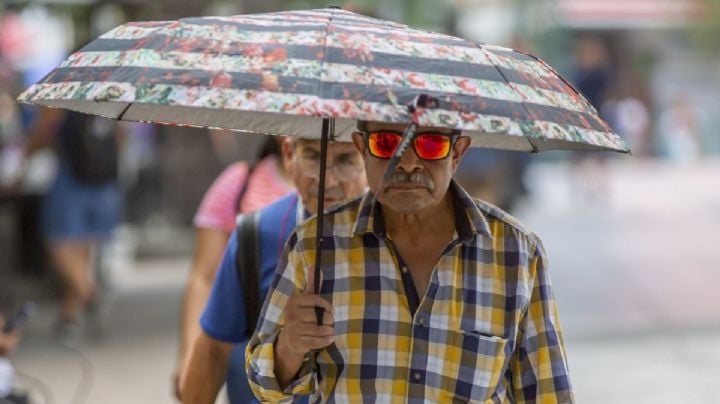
<point>76,211</point>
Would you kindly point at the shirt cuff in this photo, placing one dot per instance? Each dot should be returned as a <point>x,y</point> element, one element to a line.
<point>260,367</point>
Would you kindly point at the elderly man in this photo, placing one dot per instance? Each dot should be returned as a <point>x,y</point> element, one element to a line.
<point>223,323</point>
<point>429,295</point>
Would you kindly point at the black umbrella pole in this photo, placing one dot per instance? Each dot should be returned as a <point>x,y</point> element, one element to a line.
<point>319,311</point>
<point>407,137</point>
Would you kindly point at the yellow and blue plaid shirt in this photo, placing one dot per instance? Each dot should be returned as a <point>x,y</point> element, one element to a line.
<point>486,330</point>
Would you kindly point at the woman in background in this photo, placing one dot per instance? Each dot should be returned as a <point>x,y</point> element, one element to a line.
<point>240,188</point>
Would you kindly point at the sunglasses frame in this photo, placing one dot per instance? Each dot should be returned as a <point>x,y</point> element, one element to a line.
<point>453,139</point>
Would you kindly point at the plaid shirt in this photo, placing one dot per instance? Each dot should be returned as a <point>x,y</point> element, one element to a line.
<point>487,329</point>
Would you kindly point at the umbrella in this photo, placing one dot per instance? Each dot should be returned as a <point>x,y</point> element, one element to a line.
<point>314,73</point>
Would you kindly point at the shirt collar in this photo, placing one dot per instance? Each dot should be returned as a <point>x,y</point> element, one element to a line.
<point>300,212</point>
<point>469,219</point>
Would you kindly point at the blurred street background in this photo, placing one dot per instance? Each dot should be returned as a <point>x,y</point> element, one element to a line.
<point>632,240</point>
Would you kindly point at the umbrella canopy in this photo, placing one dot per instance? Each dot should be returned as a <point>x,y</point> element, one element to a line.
<point>284,72</point>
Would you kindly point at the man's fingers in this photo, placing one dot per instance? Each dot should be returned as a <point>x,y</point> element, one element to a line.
<point>309,317</point>
<point>313,331</point>
<point>308,343</point>
<point>177,388</point>
<point>311,301</point>
<point>310,285</point>
<point>310,288</point>
<point>328,319</point>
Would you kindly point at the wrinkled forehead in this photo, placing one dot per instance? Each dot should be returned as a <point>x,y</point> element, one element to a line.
<point>371,126</point>
<point>333,147</point>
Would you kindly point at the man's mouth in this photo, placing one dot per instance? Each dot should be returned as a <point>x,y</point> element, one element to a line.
<point>406,186</point>
<point>409,181</point>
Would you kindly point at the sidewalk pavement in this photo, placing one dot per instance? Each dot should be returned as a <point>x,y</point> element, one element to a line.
<point>131,362</point>
<point>636,274</point>
<point>635,277</point>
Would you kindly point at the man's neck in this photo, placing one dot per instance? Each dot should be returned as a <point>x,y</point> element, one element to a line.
<point>438,219</point>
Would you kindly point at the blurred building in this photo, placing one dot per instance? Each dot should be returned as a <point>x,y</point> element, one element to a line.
<point>661,52</point>
<point>655,59</point>
<point>651,47</point>
<point>630,15</point>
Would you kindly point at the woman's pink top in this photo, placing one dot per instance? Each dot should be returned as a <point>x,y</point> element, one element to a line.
<point>219,206</point>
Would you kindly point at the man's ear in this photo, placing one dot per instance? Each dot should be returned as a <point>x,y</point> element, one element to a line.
<point>287,150</point>
<point>359,142</point>
<point>459,150</point>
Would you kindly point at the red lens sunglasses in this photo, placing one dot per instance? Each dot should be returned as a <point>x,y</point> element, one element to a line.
<point>427,145</point>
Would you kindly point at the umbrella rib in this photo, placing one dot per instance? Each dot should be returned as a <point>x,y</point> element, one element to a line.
<point>119,118</point>
<point>563,79</point>
<point>533,145</point>
<point>567,83</point>
<point>325,54</point>
<point>522,103</point>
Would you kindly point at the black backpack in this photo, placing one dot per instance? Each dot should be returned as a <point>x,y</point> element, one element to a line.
<point>247,261</point>
<point>247,266</point>
<point>88,142</point>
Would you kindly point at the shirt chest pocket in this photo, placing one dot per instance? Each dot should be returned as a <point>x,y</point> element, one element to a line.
<point>477,363</point>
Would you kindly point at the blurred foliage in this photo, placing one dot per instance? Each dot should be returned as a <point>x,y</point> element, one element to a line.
<point>310,4</point>
<point>436,15</point>
<point>553,45</point>
<point>706,32</point>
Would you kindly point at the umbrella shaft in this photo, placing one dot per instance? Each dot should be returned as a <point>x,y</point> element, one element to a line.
<point>320,212</point>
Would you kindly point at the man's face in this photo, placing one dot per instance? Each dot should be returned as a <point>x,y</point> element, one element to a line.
<point>344,174</point>
<point>416,184</point>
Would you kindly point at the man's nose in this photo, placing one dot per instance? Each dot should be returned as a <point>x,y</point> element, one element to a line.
<point>409,161</point>
<point>330,177</point>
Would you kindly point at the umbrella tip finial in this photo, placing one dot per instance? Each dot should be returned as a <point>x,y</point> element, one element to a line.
<point>423,101</point>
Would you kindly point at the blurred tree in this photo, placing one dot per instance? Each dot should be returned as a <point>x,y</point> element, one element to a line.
<point>707,31</point>
<point>427,14</point>
<point>173,9</point>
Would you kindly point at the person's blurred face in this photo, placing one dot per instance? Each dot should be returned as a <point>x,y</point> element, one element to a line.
<point>417,183</point>
<point>344,174</point>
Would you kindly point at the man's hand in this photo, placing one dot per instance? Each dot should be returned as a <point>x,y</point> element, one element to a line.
<point>301,333</point>
<point>177,379</point>
<point>9,341</point>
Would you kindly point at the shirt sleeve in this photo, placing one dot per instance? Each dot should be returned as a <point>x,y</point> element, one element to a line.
<point>218,208</point>
<point>290,278</point>
<point>224,315</point>
<point>539,366</point>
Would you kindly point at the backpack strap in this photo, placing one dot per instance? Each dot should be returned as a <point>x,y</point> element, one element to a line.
<point>247,265</point>
<point>243,190</point>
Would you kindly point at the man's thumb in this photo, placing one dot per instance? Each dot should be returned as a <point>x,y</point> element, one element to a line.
<point>310,285</point>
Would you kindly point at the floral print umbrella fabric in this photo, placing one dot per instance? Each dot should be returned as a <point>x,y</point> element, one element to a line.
<point>283,72</point>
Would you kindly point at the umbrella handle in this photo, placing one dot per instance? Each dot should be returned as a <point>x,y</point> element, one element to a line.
<point>319,313</point>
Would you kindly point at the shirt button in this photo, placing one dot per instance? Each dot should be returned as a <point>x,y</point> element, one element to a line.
<point>404,269</point>
<point>417,376</point>
<point>421,321</point>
